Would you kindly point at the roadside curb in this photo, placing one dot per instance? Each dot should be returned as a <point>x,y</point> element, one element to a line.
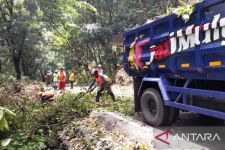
<point>126,125</point>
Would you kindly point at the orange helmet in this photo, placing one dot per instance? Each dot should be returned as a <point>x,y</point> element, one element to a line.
<point>39,93</point>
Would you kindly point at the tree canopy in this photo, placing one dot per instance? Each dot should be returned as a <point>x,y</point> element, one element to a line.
<point>40,35</point>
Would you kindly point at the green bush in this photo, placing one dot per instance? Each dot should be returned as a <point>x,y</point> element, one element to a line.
<point>5,79</point>
<point>4,113</point>
<point>122,104</point>
<point>3,121</point>
<point>37,123</point>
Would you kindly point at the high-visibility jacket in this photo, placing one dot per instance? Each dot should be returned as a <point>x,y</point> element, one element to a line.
<point>108,79</point>
<point>55,77</point>
<point>101,80</point>
<point>62,76</point>
<point>72,77</point>
<point>48,94</point>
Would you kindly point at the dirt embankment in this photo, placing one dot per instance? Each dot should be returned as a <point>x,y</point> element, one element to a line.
<point>20,89</point>
<point>122,78</point>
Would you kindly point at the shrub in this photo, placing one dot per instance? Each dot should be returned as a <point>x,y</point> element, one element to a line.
<point>37,123</point>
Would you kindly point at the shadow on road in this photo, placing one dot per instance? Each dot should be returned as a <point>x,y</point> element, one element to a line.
<point>192,123</point>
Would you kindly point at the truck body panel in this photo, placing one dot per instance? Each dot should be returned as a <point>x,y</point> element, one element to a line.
<point>171,47</point>
<point>185,61</point>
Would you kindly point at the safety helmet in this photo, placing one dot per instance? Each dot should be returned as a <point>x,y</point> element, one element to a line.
<point>99,65</point>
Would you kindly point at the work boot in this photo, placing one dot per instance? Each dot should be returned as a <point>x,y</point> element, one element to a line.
<point>112,96</point>
<point>98,96</point>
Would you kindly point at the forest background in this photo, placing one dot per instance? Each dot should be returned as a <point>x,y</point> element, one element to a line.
<point>39,35</point>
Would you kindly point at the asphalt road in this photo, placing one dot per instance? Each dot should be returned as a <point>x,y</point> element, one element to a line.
<point>192,123</point>
<point>186,123</point>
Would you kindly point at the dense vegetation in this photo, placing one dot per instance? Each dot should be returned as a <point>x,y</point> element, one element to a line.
<point>29,125</point>
<point>37,35</point>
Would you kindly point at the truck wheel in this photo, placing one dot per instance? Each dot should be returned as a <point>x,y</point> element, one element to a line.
<point>173,115</point>
<point>153,109</point>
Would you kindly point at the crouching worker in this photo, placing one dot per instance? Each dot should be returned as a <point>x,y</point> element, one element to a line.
<point>45,96</point>
<point>104,83</point>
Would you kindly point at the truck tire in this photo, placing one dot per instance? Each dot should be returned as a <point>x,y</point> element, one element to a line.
<point>137,99</point>
<point>173,114</point>
<point>153,109</point>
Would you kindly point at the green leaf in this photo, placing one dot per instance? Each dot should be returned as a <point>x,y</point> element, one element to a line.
<point>1,125</point>
<point>9,112</point>
<point>1,114</point>
<point>5,124</point>
<point>86,6</point>
<point>6,142</point>
<point>182,3</point>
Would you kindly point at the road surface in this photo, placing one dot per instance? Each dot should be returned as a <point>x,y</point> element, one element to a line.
<point>186,123</point>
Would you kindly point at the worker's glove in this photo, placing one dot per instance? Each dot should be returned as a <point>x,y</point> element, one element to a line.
<point>91,90</point>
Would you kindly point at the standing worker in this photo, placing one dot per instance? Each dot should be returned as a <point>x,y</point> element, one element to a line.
<point>72,78</point>
<point>100,70</point>
<point>55,80</point>
<point>62,80</point>
<point>48,78</point>
<point>104,82</point>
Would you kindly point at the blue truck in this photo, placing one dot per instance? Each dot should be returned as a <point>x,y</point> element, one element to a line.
<point>178,65</point>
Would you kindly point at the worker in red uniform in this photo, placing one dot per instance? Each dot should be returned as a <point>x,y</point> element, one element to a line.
<point>62,80</point>
<point>104,82</point>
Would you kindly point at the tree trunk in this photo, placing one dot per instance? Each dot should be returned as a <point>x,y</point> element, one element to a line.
<point>24,69</point>
<point>16,62</point>
<point>0,66</point>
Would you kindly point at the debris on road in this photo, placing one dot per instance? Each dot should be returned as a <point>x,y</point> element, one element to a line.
<point>121,78</point>
<point>90,133</point>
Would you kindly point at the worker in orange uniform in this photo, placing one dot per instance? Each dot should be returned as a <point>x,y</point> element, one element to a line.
<point>45,96</point>
<point>62,80</point>
<point>104,82</point>
<point>72,78</point>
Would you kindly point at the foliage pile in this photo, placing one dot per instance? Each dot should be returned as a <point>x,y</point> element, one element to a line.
<point>121,78</point>
<point>37,125</point>
<point>183,10</point>
<point>25,88</point>
<point>88,133</point>
<point>123,104</point>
